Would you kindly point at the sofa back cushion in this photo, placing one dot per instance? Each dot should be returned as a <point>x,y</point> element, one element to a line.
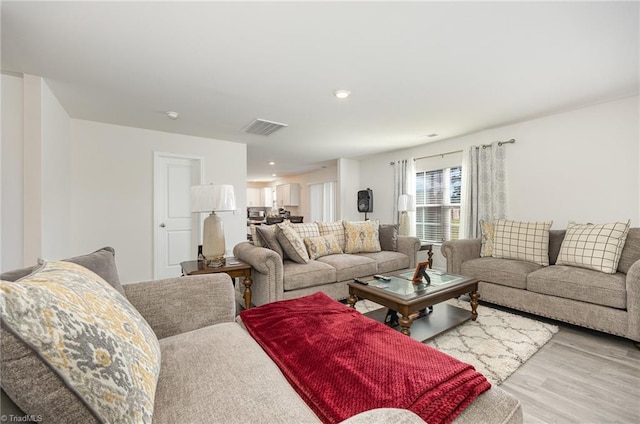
<point>555,241</point>
<point>388,234</point>
<point>102,262</point>
<point>526,241</point>
<point>594,246</point>
<point>96,347</point>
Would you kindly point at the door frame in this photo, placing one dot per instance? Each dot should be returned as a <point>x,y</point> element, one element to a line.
<point>156,201</point>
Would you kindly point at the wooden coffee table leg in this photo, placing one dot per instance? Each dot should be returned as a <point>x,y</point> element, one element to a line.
<point>405,325</point>
<point>351,300</point>
<point>474,304</point>
<point>247,291</point>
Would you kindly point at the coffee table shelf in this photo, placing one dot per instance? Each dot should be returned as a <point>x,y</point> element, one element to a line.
<point>406,298</point>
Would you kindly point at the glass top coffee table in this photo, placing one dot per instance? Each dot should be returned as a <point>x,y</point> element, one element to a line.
<point>402,295</point>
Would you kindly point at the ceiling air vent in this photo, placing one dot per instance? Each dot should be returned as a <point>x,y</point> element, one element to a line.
<point>263,127</point>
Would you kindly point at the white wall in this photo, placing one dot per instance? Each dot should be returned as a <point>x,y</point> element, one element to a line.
<point>56,178</point>
<point>581,165</point>
<point>349,177</point>
<point>112,189</point>
<point>12,186</point>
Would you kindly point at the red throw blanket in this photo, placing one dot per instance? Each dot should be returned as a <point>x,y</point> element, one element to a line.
<point>343,363</point>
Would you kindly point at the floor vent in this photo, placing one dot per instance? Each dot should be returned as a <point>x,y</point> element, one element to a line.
<point>263,127</point>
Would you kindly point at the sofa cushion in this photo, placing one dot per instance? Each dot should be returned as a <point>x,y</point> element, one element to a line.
<point>596,247</point>
<point>362,236</point>
<point>631,251</point>
<point>314,273</point>
<point>507,272</point>
<point>349,266</point>
<point>89,336</point>
<point>526,241</point>
<point>102,262</point>
<point>322,246</point>
<point>335,228</point>
<point>580,284</point>
<point>388,234</point>
<point>388,261</point>
<point>219,374</point>
<point>266,234</point>
<point>292,244</point>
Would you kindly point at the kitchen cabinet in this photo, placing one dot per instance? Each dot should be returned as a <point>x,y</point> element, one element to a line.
<point>260,197</point>
<point>288,195</point>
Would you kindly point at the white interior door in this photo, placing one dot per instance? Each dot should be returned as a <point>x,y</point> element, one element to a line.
<point>176,229</point>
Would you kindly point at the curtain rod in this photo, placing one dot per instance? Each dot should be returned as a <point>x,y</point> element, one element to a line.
<point>484,146</point>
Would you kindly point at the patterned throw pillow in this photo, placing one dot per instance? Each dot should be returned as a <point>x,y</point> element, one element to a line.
<point>362,236</point>
<point>487,232</point>
<point>526,241</point>
<point>335,228</point>
<point>292,244</point>
<point>88,335</point>
<point>322,246</point>
<point>306,230</point>
<point>592,246</point>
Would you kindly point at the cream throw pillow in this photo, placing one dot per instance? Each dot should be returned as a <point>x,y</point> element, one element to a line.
<point>487,232</point>
<point>292,244</point>
<point>87,334</point>
<point>362,237</point>
<point>322,246</point>
<point>526,241</point>
<point>596,247</point>
<point>335,228</point>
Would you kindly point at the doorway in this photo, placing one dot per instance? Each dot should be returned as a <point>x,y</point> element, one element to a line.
<point>176,231</point>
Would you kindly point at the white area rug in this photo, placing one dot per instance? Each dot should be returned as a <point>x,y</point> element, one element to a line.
<point>497,344</point>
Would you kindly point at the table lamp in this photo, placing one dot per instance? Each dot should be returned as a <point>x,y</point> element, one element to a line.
<point>213,198</point>
<point>405,204</point>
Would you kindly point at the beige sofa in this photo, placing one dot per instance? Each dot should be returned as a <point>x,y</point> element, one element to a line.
<point>588,298</point>
<point>213,371</point>
<point>277,279</point>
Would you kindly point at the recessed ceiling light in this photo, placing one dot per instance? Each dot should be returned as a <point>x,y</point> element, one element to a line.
<point>273,175</point>
<point>272,163</point>
<point>173,115</point>
<point>342,94</point>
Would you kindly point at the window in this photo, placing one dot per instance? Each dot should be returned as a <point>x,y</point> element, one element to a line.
<point>322,202</point>
<point>438,204</point>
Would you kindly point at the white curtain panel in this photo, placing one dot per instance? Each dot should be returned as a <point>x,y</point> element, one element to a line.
<point>484,190</point>
<point>404,183</point>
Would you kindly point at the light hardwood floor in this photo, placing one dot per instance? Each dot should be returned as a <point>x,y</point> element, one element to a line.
<point>580,376</point>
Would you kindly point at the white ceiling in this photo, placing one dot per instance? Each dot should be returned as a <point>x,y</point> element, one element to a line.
<point>413,68</point>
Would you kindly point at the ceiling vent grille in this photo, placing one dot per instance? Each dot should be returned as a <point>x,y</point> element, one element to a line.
<point>263,127</point>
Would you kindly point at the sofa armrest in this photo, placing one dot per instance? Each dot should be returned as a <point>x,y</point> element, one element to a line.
<point>410,246</point>
<point>458,251</point>
<point>267,272</point>
<point>177,305</point>
<point>384,416</point>
<point>633,300</point>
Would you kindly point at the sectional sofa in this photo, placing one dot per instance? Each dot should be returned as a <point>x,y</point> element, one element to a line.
<point>361,249</point>
<point>195,361</point>
<point>564,288</point>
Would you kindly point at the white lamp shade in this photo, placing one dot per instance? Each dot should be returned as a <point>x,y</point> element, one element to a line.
<point>212,197</point>
<point>405,203</point>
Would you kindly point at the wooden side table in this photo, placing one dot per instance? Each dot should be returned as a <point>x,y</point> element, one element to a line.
<point>235,271</point>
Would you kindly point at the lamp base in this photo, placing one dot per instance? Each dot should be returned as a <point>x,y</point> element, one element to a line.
<point>213,246</point>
